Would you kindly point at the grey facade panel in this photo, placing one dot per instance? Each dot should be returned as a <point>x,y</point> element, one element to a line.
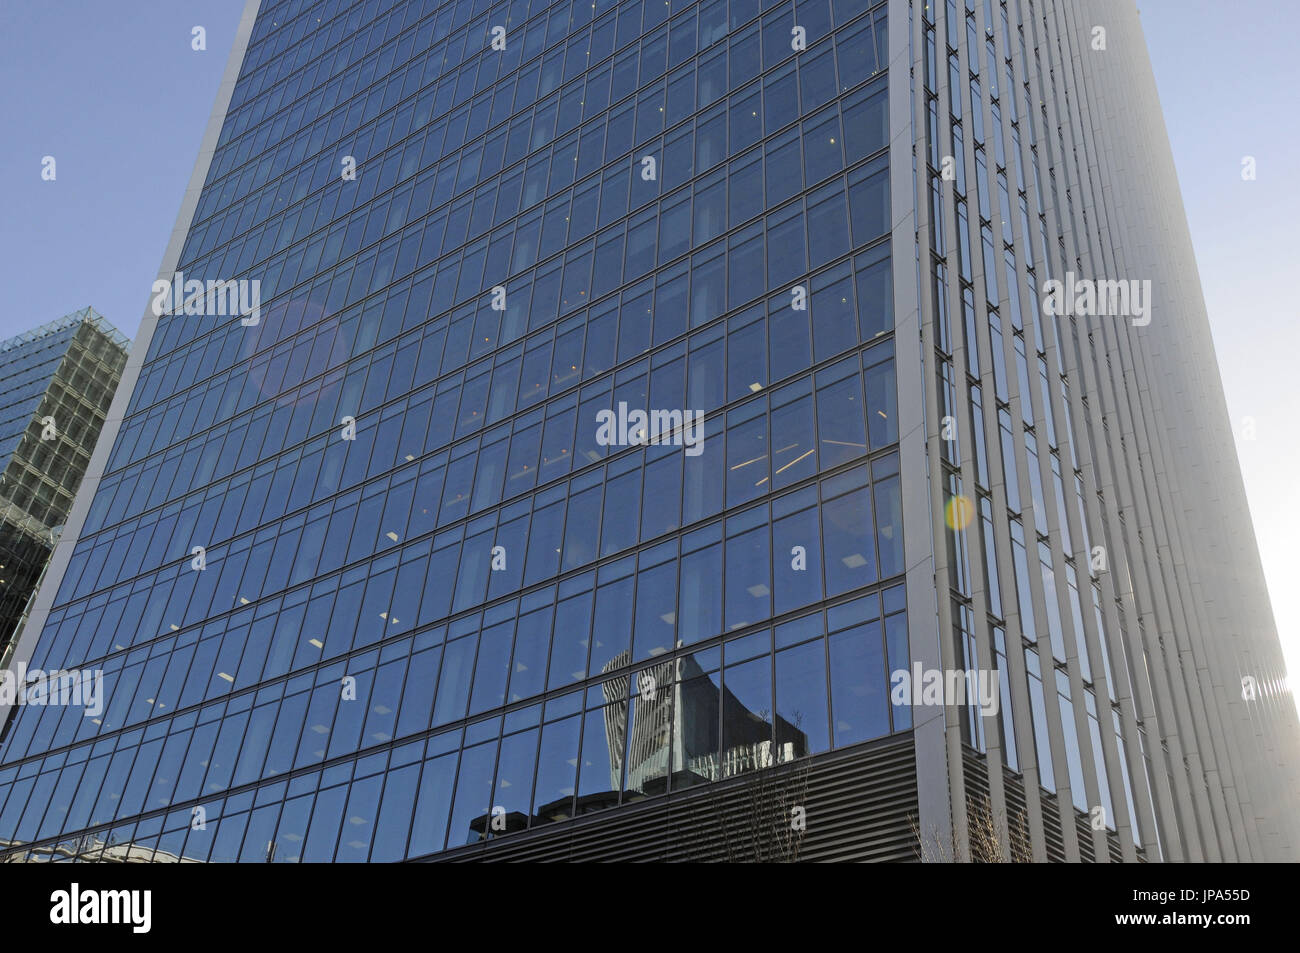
<point>1130,411</point>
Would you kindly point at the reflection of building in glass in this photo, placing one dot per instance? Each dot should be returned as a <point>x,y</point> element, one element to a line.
<point>90,849</point>
<point>676,713</point>
<point>56,383</point>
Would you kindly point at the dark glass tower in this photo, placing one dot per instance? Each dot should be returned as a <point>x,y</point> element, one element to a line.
<point>591,457</point>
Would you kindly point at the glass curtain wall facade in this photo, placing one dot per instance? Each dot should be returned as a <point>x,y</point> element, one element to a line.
<point>430,594</point>
<point>367,580</point>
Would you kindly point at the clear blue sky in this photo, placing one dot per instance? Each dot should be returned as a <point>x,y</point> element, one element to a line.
<point>115,93</point>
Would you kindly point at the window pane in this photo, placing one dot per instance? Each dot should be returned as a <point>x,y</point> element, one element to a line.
<point>858,685</point>
<point>801,726</point>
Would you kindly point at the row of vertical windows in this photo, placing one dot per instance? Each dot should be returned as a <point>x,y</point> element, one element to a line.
<point>765,450</point>
<point>698,145</point>
<point>798,236</point>
<point>1056,634</point>
<point>677,41</point>
<point>710,370</point>
<point>515,95</point>
<point>813,683</point>
<point>769,562</point>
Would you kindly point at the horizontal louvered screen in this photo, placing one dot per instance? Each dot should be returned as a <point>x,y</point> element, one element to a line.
<point>857,802</point>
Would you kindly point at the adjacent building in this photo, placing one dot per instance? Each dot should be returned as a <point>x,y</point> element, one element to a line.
<point>56,384</point>
<point>640,393</point>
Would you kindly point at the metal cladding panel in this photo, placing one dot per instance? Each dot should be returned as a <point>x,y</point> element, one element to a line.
<point>859,803</point>
<point>977,786</point>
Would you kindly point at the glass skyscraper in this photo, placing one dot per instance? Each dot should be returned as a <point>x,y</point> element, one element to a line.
<point>369,574</point>
<point>56,384</point>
